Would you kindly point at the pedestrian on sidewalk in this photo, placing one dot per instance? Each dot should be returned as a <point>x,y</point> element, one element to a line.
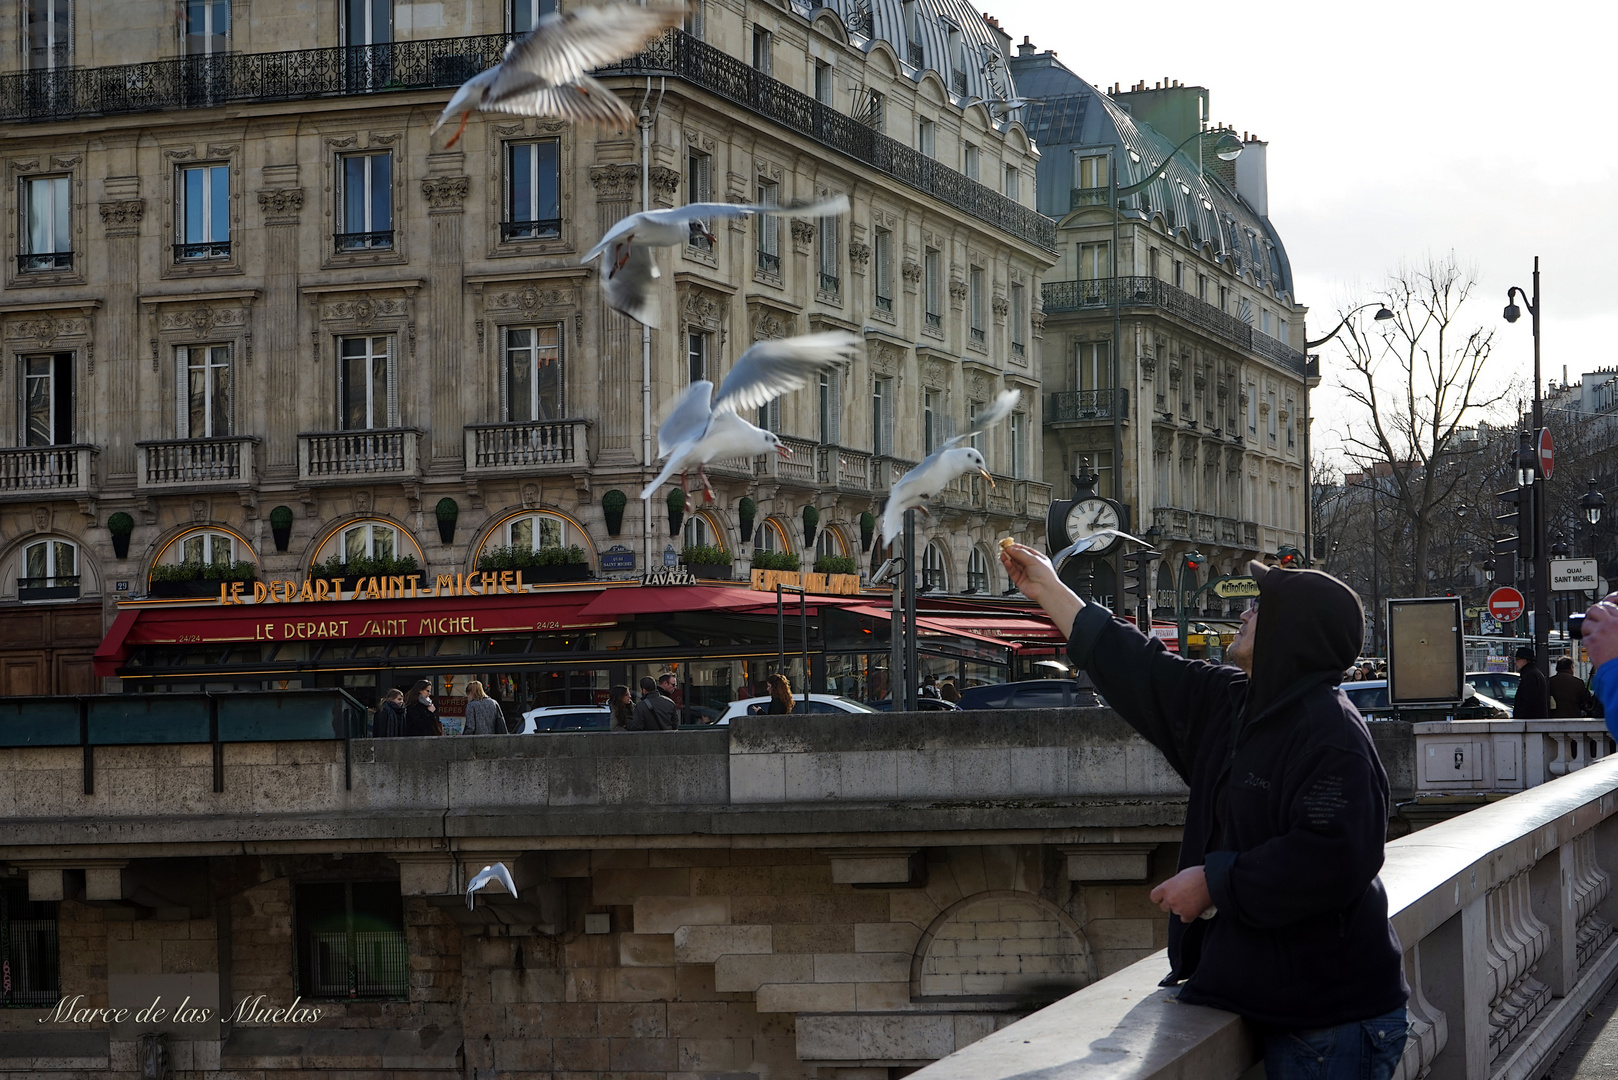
<point>1533,700</point>
<point>1570,698</point>
<point>483,715</point>
<point>1277,912</point>
<point>656,710</point>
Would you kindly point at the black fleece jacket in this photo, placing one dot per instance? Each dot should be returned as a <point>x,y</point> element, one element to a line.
<point>1288,807</point>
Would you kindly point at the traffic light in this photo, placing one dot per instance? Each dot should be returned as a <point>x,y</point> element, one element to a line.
<point>1511,536</point>
<point>1138,578</point>
<point>1290,556</point>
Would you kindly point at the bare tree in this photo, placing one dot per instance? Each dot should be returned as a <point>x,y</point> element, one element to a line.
<point>1420,383</point>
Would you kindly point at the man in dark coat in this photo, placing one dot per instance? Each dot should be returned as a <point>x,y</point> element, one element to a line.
<point>656,710</point>
<point>1570,698</point>
<point>1533,700</point>
<point>1277,912</point>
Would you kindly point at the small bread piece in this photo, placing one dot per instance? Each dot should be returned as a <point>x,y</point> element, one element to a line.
<point>1006,542</point>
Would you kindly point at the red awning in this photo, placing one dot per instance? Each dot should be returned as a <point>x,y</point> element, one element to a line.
<point>662,599</point>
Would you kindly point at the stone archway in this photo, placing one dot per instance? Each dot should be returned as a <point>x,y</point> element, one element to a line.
<point>1001,945</point>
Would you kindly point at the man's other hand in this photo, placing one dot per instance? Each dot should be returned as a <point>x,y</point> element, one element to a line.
<point>1601,631</point>
<point>1185,894</point>
<point>1035,577</point>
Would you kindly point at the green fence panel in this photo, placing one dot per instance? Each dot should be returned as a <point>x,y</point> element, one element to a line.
<point>286,715</point>
<point>132,719</point>
<point>39,722</point>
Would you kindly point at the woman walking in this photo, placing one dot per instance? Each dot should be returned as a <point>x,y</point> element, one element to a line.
<point>780,695</point>
<point>421,715</point>
<point>483,716</point>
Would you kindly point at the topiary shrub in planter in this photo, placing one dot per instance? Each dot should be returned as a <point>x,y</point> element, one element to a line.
<point>612,508</point>
<point>867,530</point>
<point>836,564</point>
<point>538,566</point>
<point>198,579</point>
<point>281,526</point>
<point>811,522</point>
<point>746,512</point>
<point>676,511</point>
<point>120,525</point>
<point>446,512</point>
<point>707,561</point>
<point>775,560</point>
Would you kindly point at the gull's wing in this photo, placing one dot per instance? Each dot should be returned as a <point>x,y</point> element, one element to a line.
<point>497,872</point>
<point>689,418</point>
<point>997,410</point>
<point>582,101</point>
<point>624,225</point>
<point>1095,539</point>
<point>629,288</point>
<point>566,45</point>
<point>907,492</point>
<point>772,368</point>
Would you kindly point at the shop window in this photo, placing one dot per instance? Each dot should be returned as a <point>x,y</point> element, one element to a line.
<point>50,571</point>
<point>534,531</point>
<point>977,572</point>
<point>365,201</point>
<point>351,941</point>
<point>204,216</point>
<point>203,379</point>
<point>533,385</point>
<point>29,949</point>
<point>368,390</point>
<point>933,576</point>
<point>47,400</point>
<point>533,180</point>
<point>525,14</point>
<point>47,237</point>
<point>207,27</point>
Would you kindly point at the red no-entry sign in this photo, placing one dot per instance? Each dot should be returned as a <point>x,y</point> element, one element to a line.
<point>1547,453</point>
<point>1505,603</point>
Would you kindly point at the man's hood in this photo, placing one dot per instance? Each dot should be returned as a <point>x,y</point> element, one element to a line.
<point>1310,629</point>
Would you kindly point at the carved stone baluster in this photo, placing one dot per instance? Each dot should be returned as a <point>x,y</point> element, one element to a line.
<point>1429,1027</point>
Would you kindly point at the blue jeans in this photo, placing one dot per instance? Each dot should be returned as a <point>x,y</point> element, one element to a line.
<point>1364,1050</point>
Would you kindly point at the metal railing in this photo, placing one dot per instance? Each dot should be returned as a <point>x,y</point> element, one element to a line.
<point>65,587</point>
<point>358,453</point>
<point>1081,197</point>
<point>769,263</point>
<point>541,229</point>
<point>830,284</point>
<point>61,469</point>
<point>363,241</point>
<point>915,56</point>
<point>44,260</point>
<point>1068,406</point>
<point>177,462</point>
<point>207,249</point>
<point>526,445</point>
<point>1104,293</point>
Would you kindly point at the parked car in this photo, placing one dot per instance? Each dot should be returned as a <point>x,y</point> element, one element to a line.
<point>923,704</point>
<point>818,703</point>
<point>1500,685</point>
<point>566,718</point>
<point>1031,694</point>
<point>1370,697</point>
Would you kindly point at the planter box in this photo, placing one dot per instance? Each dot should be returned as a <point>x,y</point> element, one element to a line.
<point>552,575</point>
<point>710,571</point>
<point>832,584</point>
<point>191,590</point>
<point>49,592</point>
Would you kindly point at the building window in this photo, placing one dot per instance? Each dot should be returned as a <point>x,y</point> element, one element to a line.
<point>828,545</point>
<point>1252,408</point>
<point>204,213</point>
<point>1151,262</point>
<point>977,571</point>
<point>47,400</point>
<point>1013,182</point>
<point>1282,333</point>
<point>831,407</point>
<point>351,941</point>
<point>1179,274</point>
<point>1224,298</point>
<point>370,541</point>
<point>698,174</point>
<point>1291,438</point>
<point>957,59</point>
<point>1202,287</point>
<point>367,22</point>
<point>933,576</point>
<point>50,33</point>
<point>978,304</point>
<point>769,230</point>
<point>1095,365</point>
<point>365,199</point>
<point>882,416</point>
<point>1019,445</point>
<point>763,50</point>
<point>696,356</point>
<point>204,547</point>
<point>770,537</point>
<point>367,392</point>
<point>969,161</point>
<point>929,402</point>
<point>1091,171</point>
<point>769,416</point>
<point>525,14</point>
<point>531,532</point>
<point>1095,261</point>
<point>207,27</point>
<point>926,136</point>
<point>825,86</point>
<point>50,572</point>
<point>696,19</point>
<point>1101,465</point>
<point>934,289</point>
<point>830,259</point>
<point>47,238</point>
<point>205,390</point>
<point>911,11</point>
<point>533,180</point>
<point>1019,316</point>
<point>31,955</point>
<point>534,385</point>
<point>1264,322</point>
<point>1273,418</point>
<point>882,257</point>
<point>696,532</point>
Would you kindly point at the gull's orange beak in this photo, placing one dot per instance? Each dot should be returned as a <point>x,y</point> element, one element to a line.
<point>987,477</point>
<point>783,450</point>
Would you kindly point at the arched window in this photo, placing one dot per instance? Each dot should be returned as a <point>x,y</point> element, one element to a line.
<point>828,542</point>
<point>977,571</point>
<point>370,540</point>
<point>769,537</point>
<point>381,544</point>
<point>50,571</point>
<point>205,547</point>
<point>697,532</point>
<point>530,532</point>
<point>933,576</point>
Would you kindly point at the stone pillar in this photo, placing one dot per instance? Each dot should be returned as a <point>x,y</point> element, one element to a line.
<point>120,219</point>
<point>444,415</point>
<point>617,190</point>
<point>279,313</point>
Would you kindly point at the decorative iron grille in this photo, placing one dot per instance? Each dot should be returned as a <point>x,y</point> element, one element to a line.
<point>29,950</point>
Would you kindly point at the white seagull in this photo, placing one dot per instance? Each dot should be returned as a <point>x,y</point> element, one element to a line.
<point>1000,108</point>
<point>629,271</point>
<point>1098,538</point>
<point>943,465</point>
<point>497,872</point>
<point>546,73</point>
<point>703,424</point>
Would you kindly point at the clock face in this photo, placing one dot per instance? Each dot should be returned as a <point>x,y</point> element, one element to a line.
<point>1090,516</point>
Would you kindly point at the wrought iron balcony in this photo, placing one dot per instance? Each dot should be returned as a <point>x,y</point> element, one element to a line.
<point>44,260</point>
<point>363,241</point>
<point>388,452</point>
<point>830,284</point>
<point>1078,406</point>
<point>185,463</point>
<point>542,229</point>
<point>884,303</point>
<point>1081,197</point>
<point>531,446</point>
<point>208,249</point>
<point>1105,293</point>
<point>33,471</point>
<point>979,335</point>
<point>769,263</point>
<point>935,320</point>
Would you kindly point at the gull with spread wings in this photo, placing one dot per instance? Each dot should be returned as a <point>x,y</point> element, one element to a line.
<point>703,424</point>
<point>943,465</point>
<point>628,271</point>
<point>546,73</point>
<point>1099,538</point>
<point>496,873</point>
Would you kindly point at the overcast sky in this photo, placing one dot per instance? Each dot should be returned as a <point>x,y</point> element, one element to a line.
<point>1396,130</point>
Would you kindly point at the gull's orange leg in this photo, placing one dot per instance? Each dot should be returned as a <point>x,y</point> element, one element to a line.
<point>453,139</point>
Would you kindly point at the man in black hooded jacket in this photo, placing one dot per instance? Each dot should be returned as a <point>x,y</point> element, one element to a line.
<point>1277,912</point>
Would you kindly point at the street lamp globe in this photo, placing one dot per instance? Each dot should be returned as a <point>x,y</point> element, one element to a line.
<point>1382,314</point>
<point>1227,147</point>
<point>1488,570</point>
<point>1512,312</point>
<point>1593,502</point>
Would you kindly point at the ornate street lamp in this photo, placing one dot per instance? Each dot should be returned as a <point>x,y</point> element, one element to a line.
<point>1593,503</point>
<point>1488,571</point>
<point>1540,570</point>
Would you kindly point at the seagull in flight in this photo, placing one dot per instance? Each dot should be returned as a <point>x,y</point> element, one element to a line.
<point>703,424</point>
<point>629,270</point>
<point>1000,108</point>
<point>497,872</point>
<point>546,73</point>
<point>943,465</point>
<point>1099,538</point>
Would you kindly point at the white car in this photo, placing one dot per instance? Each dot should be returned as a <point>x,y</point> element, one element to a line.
<point>548,718</point>
<point>818,703</point>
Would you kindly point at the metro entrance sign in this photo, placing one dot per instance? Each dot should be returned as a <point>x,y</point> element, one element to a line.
<point>1547,452</point>
<point>1506,603</point>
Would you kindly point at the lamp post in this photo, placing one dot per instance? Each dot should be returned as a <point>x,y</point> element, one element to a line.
<point>1311,379</point>
<point>1227,147</point>
<point>1540,569</point>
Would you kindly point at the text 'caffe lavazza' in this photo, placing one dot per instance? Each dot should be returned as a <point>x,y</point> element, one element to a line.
<point>538,645</point>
